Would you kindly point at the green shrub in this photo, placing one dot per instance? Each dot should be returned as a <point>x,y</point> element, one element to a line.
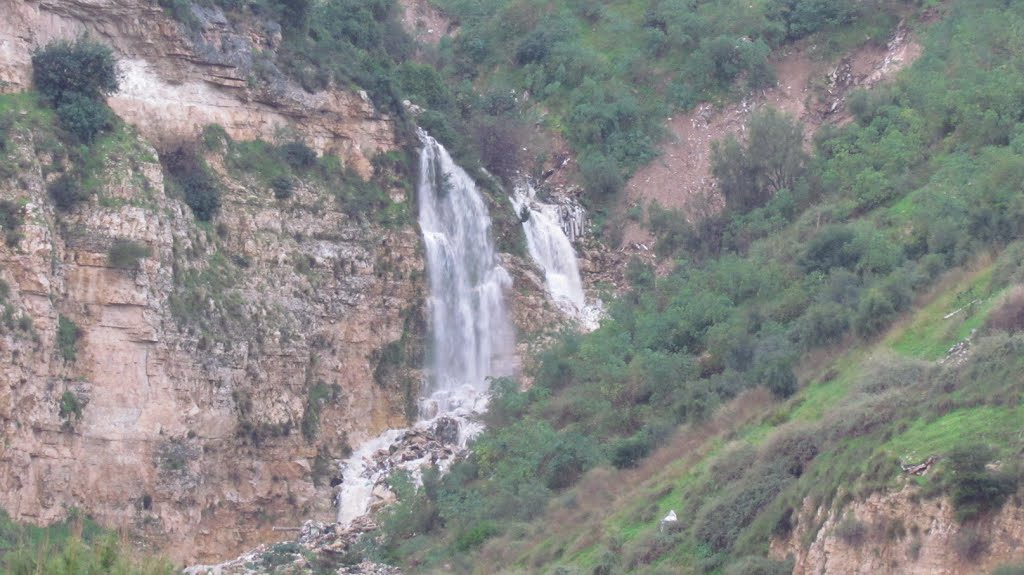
<point>822,324</point>
<point>67,192</point>
<point>200,189</point>
<point>721,520</point>
<point>75,77</point>
<point>298,155</point>
<point>974,489</point>
<point>601,175</point>
<point>628,452</point>
<point>70,408</point>
<point>126,254</point>
<point>851,531</point>
<point>779,378</point>
<point>80,69</point>
<point>84,117</point>
<point>804,17</point>
<point>671,229</point>
<point>283,186</point>
<point>67,338</point>
<point>475,536</point>
<point>215,137</point>
<point>834,247</point>
<point>772,159</point>
<point>875,312</point>
<point>11,219</point>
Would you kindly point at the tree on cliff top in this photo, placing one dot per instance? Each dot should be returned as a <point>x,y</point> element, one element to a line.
<point>76,77</point>
<point>64,69</point>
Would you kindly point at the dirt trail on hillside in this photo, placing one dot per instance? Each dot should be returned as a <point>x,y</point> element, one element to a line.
<point>812,90</point>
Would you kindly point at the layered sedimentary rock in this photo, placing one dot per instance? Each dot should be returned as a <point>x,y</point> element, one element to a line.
<point>210,392</point>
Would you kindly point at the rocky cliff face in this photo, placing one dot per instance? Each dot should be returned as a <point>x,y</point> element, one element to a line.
<point>210,392</point>
<point>176,81</point>
<point>213,389</point>
<point>902,533</point>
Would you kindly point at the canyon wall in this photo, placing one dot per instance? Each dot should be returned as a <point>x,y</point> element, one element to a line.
<point>211,391</point>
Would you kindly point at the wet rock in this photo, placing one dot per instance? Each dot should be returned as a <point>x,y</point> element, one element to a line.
<point>447,430</point>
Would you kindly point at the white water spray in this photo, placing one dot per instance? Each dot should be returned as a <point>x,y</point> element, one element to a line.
<point>470,333</point>
<point>550,247</point>
<point>471,338</point>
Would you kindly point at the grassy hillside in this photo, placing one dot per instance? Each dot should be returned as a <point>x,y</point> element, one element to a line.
<point>74,547</point>
<point>831,292</point>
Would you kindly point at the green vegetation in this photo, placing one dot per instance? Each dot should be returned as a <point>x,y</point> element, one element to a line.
<point>606,74</point>
<point>73,547</point>
<point>11,219</point>
<point>67,338</point>
<point>974,489</point>
<point>317,396</point>
<point>194,180</point>
<point>75,77</point>
<point>70,409</point>
<point>816,256</point>
<point>127,254</point>
<point>348,43</point>
<point>772,159</point>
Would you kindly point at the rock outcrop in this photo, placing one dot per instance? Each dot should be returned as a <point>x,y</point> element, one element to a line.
<point>902,533</point>
<point>209,393</point>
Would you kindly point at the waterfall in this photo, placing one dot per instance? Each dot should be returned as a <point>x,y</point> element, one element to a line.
<point>547,240</point>
<point>471,338</point>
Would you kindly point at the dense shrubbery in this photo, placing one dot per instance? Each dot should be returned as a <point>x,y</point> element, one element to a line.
<point>66,192</point>
<point>771,159</point>
<point>608,72</point>
<point>11,219</point>
<point>75,77</point>
<point>198,187</point>
<point>127,254</point>
<point>974,489</point>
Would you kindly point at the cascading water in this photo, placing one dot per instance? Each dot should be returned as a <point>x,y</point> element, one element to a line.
<point>471,338</point>
<point>551,248</point>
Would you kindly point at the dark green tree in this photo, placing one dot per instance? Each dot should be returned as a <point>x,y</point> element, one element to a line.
<point>82,68</point>
<point>75,77</point>
<point>773,158</point>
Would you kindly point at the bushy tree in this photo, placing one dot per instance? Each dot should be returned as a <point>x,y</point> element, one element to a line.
<point>82,68</point>
<point>975,489</point>
<point>804,17</point>
<point>84,117</point>
<point>198,186</point>
<point>66,192</point>
<point>750,173</point>
<point>75,77</point>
